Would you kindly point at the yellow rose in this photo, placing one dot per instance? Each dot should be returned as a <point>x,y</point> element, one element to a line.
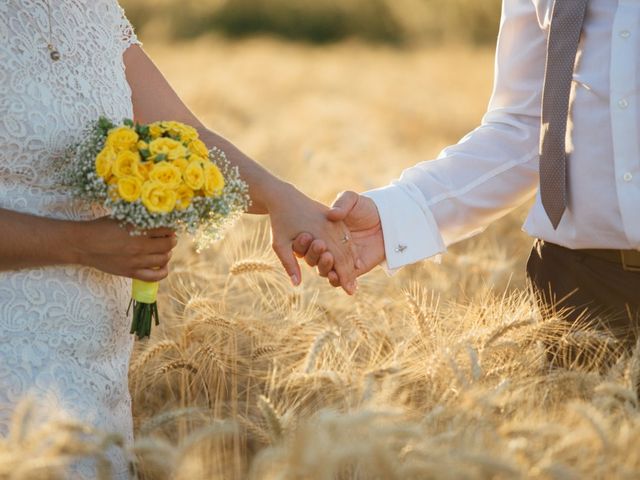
<point>104,162</point>
<point>144,168</point>
<point>168,148</point>
<point>122,139</point>
<point>158,198</point>
<point>177,129</point>
<point>194,175</point>
<point>127,164</point>
<point>129,188</point>
<point>185,197</point>
<point>181,163</point>
<point>166,174</point>
<point>213,180</point>
<point>198,147</point>
<point>156,130</point>
<point>199,159</point>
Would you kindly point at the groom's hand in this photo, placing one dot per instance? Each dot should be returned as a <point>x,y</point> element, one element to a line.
<point>293,212</point>
<point>360,216</point>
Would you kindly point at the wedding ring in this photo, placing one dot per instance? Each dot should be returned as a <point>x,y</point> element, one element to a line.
<point>346,238</point>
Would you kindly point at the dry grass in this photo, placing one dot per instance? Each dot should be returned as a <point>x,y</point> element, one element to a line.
<point>438,372</point>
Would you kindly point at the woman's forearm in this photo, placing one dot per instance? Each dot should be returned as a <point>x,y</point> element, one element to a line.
<point>155,100</point>
<point>28,241</point>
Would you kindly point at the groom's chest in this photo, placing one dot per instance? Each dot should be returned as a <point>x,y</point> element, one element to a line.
<point>611,30</point>
<point>599,12</point>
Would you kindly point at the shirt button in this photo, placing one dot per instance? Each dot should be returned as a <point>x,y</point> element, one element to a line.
<point>625,34</point>
<point>624,103</point>
<point>628,177</point>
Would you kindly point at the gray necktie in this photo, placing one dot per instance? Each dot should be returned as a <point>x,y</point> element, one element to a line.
<point>564,36</point>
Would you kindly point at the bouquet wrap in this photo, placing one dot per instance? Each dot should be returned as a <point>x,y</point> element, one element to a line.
<point>144,292</point>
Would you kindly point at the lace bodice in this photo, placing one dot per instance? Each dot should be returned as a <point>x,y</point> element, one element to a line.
<point>45,105</point>
<point>63,330</point>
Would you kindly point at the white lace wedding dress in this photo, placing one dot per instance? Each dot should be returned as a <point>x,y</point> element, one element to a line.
<point>63,330</point>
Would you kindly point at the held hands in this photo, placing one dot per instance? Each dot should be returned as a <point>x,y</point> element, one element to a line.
<point>344,242</point>
<point>360,216</point>
<point>291,213</point>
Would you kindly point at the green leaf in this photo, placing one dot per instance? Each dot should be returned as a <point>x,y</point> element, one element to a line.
<point>104,125</point>
<point>143,130</point>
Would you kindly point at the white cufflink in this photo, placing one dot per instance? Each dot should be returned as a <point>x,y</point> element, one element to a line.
<point>401,248</point>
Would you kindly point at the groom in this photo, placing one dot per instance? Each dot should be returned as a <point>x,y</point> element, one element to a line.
<point>563,125</point>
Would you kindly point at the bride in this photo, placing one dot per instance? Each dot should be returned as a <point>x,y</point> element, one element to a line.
<point>64,267</point>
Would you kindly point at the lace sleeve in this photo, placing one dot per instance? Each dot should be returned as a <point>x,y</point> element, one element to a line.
<point>126,32</point>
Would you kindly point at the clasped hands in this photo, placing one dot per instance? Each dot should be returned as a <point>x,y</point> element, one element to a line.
<point>350,245</point>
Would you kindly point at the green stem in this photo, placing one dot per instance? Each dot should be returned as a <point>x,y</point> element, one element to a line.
<point>144,315</point>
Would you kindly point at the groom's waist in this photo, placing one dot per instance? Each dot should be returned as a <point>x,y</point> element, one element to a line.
<point>629,260</point>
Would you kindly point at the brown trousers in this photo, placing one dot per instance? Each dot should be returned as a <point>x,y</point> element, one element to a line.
<point>591,295</point>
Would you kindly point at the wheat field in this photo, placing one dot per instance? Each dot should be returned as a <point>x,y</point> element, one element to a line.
<point>438,372</point>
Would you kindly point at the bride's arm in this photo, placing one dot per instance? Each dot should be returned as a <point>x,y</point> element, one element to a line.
<point>28,241</point>
<point>291,211</point>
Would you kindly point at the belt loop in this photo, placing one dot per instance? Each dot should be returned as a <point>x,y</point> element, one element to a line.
<point>625,263</point>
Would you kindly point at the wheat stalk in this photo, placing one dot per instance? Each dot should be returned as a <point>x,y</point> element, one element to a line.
<point>21,420</point>
<point>318,344</point>
<point>153,352</point>
<point>208,351</point>
<point>271,417</point>
<point>618,392</point>
<point>178,365</point>
<point>255,430</point>
<point>206,356</point>
<point>263,350</point>
<point>199,304</point>
<point>243,267</point>
<point>632,372</point>
<point>596,420</point>
<point>361,327</point>
<point>216,322</point>
<point>502,330</point>
<point>416,300</point>
<point>374,376</point>
<point>167,417</point>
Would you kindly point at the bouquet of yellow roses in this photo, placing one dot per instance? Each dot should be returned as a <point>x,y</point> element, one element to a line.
<point>153,176</point>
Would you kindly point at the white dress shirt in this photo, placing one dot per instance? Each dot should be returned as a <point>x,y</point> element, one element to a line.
<point>494,169</point>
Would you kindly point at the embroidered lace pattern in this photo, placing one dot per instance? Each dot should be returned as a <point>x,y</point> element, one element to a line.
<point>63,330</point>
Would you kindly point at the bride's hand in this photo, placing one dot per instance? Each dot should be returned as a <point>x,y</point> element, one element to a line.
<point>292,213</point>
<point>105,245</point>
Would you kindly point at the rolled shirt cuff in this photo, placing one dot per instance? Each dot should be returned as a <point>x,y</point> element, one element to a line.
<point>409,229</point>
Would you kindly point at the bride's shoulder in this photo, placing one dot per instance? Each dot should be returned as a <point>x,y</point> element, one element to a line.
<point>122,23</point>
<point>111,15</point>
